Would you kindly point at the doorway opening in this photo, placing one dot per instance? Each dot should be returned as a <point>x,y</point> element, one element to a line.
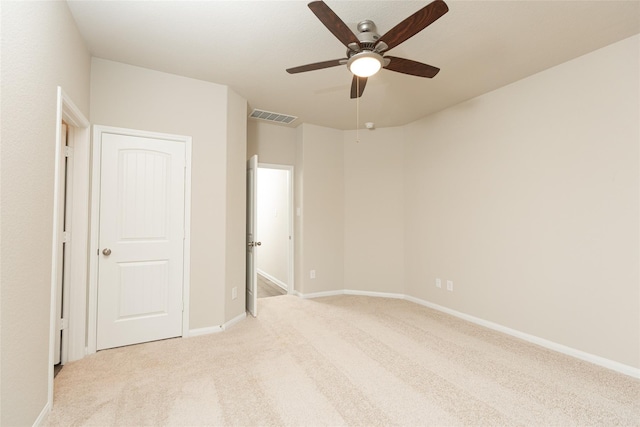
<point>274,216</point>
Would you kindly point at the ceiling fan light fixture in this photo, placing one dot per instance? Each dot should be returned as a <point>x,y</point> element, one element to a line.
<point>365,64</point>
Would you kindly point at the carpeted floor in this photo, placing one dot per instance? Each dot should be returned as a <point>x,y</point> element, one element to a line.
<point>344,360</point>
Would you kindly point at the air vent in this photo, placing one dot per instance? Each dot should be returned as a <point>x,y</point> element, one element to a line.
<point>272,117</point>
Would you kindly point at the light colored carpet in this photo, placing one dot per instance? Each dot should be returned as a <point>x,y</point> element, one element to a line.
<point>345,360</point>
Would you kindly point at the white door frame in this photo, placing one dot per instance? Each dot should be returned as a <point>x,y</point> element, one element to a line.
<point>290,176</point>
<point>79,139</point>
<point>95,221</point>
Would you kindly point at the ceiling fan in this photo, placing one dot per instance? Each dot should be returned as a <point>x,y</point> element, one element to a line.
<point>365,51</point>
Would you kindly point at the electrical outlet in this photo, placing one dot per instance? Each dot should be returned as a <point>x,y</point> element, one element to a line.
<point>450,285</point>
<point>438,283</point>
<point>234,292</point>
<point>312,274</point>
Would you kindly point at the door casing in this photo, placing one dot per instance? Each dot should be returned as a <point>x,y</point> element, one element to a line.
<point>79,139</point>
<point>98,130</point>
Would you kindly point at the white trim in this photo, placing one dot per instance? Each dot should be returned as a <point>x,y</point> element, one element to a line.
<point>350,292</point>
<point>98,130</point>
<point>374,294</point>
<point>319,294</point>
<point>205,331</point>
<point>239,318</point>
<point>66,110</point>
<point>273,279</point>
<point>43,415</point>
<point>219,328</point>
<point>560,348</point>
<point>186,255</point>
<point>290,288</point>
<point>67,223</point>
<point>92,302</point>
<point>81,164</point>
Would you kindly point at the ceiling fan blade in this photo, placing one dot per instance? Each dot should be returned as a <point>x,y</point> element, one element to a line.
<point>414,68</point>
<point>357,86</point>
<point>330,20</point>
<point>414,24</point>
<point>315,66</point>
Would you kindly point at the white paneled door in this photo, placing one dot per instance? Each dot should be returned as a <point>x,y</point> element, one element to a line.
<point>141,240</point>
<point>252,237</point>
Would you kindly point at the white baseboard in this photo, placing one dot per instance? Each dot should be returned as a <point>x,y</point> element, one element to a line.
<point>273,279</point>
<point>239,318</point>
<point>560,348</point>
<point>374,294</point>
<point>318,294</point>
<point>43,415</point>
<point>349,292</point>
<point>205,331</point>
<point>218,328</point>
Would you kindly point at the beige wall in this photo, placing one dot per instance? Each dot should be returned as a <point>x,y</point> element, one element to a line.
<point>299,273</point>
<point>235,227</point>
<point>138,98</point>
<point>41,49</point>
<point>527,198</point>
<point>272,143</point>
<point>374,210</point>
<point>320,178</point>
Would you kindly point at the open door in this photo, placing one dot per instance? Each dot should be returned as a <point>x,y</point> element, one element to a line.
<point>62,254</point>
<point>252,275</point>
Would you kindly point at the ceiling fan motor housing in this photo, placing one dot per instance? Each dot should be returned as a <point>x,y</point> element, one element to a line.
<point>367,35</point>
<point>368,26</point>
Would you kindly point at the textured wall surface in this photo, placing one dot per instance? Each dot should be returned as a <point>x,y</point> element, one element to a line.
<point>527,198</point>
<point>45,52</point>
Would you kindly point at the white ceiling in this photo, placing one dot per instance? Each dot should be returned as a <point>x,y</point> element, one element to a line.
<point>247,45</point>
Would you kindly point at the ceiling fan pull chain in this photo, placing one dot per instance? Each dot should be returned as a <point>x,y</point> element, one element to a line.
<point>358,112</point>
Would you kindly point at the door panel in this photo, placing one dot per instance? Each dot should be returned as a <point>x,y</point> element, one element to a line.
<point>140,278</point>
<point>60,280</point>
<point>252,275</point>
<point>143,289</point>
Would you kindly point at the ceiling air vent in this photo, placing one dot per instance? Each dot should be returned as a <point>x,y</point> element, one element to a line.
<point>271,116</point>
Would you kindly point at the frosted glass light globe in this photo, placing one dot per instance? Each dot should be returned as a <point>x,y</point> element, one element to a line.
<point>365,64</point>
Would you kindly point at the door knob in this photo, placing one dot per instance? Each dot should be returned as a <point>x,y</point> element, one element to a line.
<point>106,252</point>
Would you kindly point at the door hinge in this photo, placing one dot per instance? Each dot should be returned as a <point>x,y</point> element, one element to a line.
<point>68,151</point>
<point>62,324</point>
<point>66,236</point>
